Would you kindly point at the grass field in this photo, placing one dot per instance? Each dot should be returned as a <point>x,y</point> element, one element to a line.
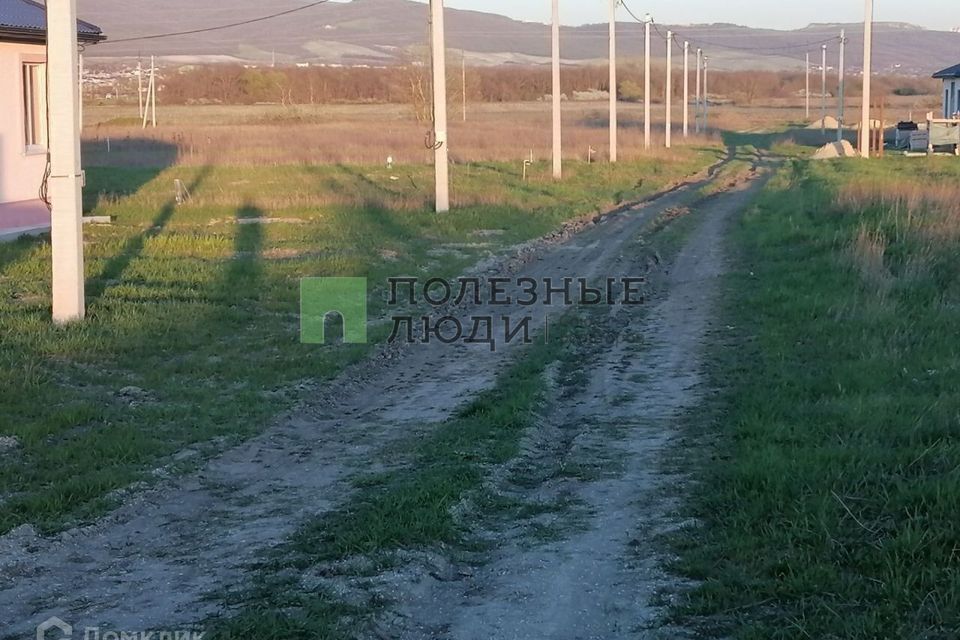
<point>830,501</point>
<point>192,338</point>
<point>367,134</point>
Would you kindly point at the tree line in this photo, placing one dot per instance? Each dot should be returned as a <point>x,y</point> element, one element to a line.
<point>236,84</point>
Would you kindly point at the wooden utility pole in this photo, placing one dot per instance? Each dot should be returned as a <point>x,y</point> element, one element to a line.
<point>557,139</point>
<point>614,124</point>
<point>686,89</point>
<point>696,106</point>
<point>647,22</point>
<point>807,90</point>
<point>65,182</point>
<point>669,91</point>
<point>441,161</point>
<point>867,65</point>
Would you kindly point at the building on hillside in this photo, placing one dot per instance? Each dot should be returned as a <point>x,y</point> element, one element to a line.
<point>951,90</point>
<point>23,103</point>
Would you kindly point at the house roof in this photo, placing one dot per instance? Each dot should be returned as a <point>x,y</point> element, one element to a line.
<point>26,21</point>
<point>949,72</point>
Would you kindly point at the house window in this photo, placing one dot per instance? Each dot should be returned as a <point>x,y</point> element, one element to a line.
<point>35,106</point>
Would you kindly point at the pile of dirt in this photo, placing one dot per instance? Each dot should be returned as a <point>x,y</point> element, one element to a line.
<point>828,122</point>
<point>836,150</point>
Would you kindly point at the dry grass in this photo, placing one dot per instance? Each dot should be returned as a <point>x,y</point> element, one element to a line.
<point>361,135</point>
<point>920,222</point>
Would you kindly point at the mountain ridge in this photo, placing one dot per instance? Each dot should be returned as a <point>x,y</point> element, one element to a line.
<point>386,32</point>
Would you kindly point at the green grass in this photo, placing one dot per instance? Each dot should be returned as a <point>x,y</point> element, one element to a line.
<point>201,313</point>
<point>831,502</point>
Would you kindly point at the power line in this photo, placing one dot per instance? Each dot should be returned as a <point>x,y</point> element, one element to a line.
<point>222,26</point>
<point>677,35</point>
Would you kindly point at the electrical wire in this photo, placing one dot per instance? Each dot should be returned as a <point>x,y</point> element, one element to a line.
<point>222,26</point>
<point>702,43</point>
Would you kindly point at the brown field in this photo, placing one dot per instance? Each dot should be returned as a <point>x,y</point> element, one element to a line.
<point>368,134</point>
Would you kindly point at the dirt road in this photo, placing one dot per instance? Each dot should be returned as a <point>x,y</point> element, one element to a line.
<point>153,562</point>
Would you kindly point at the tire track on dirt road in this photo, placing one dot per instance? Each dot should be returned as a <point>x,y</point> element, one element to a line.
<point>604,577</point>
<point>154,562</point>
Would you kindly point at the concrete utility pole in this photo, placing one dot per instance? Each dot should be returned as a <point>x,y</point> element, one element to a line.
<point>823,91</point>
<point>686,89</point>
<point>647,22</point>
<point>463,81</point>
<point>613,80</point>
<point>841,110</point>
<point>80,88</point>
<point>140,88</point>
<point>669,90</point>
<point>441,160</point>
<point>557,132</point>
<point>706,99</point>
<point>65,183</point>
<point>867,65</point>
<point>696,109</point>
<point>153,90</point>
<point>807,90</point>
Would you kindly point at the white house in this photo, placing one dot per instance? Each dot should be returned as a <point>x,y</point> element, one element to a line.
<point>951,90</point>
<point>23,104</point>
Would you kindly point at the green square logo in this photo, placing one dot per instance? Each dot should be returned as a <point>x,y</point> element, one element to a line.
<point>320,297</point>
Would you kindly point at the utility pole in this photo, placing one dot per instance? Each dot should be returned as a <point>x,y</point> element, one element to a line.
<point>807,90</point>
<point>557,140</point>
<point>867,64</point>
<point>841,89</point>
<point>706,99</point>
<point>613,81</point>
<point>440,149</point>
<point>80,88</point>
<point>823,91</point>
<point>686,89</point>
<point>696,108</point>
<point>463,81</point>
<point>153,90</point>
<point>65,182</point>
<point>140,87</point>
<point>647,21</point>
<point>669,90</point>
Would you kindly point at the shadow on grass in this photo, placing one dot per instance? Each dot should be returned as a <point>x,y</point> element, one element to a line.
<point>115,267</point>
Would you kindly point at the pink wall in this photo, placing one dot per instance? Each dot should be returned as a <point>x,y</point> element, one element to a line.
<point>20,172</point>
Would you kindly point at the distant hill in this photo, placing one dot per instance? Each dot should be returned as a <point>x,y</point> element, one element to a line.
<point>383,32</point>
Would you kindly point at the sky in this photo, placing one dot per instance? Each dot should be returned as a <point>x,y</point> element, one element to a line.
<point>777,14</point>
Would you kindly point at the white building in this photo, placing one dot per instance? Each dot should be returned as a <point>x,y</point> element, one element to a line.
<point>23,106</point>
<point>951,90</point>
